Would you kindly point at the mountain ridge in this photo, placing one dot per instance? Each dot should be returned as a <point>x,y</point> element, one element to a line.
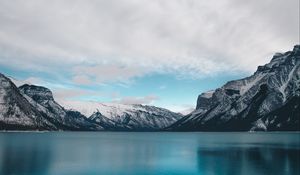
<point>268,100</point>
<point>16,112</point>
<point>242,105</point>
<point>127,116</point>
<point>41,104</point>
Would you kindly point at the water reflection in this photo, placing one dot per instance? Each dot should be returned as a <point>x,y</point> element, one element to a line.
<point>20,157</point>
<point>249,160</point>
<point>149,153</point>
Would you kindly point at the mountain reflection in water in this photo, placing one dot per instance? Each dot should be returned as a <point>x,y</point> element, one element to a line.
<point>68,153</point>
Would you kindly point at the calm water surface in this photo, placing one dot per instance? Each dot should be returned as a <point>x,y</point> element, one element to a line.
<point>122,153</point>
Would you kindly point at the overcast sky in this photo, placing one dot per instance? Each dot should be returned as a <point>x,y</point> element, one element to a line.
<point>159,52</point>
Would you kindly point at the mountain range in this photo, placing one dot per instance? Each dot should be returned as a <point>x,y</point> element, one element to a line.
<point>31,107</point>
<point>268,100</point>
<point>124,116</point>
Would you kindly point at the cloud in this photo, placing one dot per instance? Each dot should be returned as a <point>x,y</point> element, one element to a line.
<point>137,100</point>
<point>29,80</point>
<point>109,41</point>
<point>187,111</point>
<point>62,94</point>
<point>106,73</point>
<point>82,80</point>
<point>184,109</point>
<point>162,87</point>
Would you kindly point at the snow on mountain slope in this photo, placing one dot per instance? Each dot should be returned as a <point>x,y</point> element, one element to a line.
<point>43,100</point>
<point>243,105</point>
<point>187,111</point>
<point>16,112</point>
<point>33,107</point>
<point>126,117</point>
<point>87,108</point>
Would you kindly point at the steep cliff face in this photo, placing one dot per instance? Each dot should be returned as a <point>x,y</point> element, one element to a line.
<point>258,102</point>
<point>17,113</point>
<point>42,99</point>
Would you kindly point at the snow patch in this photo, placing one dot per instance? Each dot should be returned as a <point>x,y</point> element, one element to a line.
<point>259,125</point>
<point>284,85</point>
<point>207,94</point>
<point>187,111</point>
<point>249,84</point>
<point>87,108</point>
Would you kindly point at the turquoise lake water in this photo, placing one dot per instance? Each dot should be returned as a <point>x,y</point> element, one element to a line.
<point>161,153</point>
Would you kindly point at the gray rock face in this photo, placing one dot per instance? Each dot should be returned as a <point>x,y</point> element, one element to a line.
<point>31,107</point>
<point>42,99</point>
<point>251,103</point>
<point>204,101</point>
<point>16,113</point>
<point>37,93</point>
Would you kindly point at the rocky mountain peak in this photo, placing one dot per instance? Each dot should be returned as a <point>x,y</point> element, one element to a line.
<point>279,60</point>
<point>296,49</point>
<point>37,93</point>
<point>204,99</point>
<point>6,83</point>
<point>243,104</point>
<point>95,115</point>
<point>16,112</point>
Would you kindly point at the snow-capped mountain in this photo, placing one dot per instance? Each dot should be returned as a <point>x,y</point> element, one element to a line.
<point>33,107</point>
<point>16,113</point>
<point>267,100</point>
<point>114,116</point>
<point>42,99</point>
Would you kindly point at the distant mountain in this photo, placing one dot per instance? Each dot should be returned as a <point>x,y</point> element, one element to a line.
<point>269,100</point>
<point>32,107</point>
<point>127,117</point>
<point>42,99</point>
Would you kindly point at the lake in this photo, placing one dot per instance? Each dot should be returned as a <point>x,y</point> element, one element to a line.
<point>147,153</point>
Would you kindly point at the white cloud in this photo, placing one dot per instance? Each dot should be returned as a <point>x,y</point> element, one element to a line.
<point>106,73</point>
<point>62,94</point>
<point>137,100</point>
<point>82,80</point>
<point>162,87</point>
<point>30,80</point>
<point>183,108</point>
<point>123,39</point>
<point>187,111</point>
